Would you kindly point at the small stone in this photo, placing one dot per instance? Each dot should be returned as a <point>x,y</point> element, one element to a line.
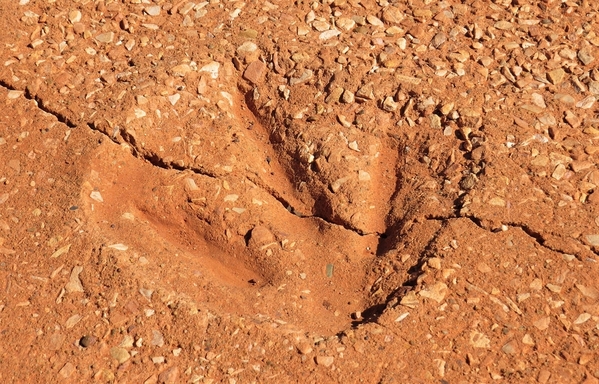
<point>97,196</point>
<point>510,348</point>
<point>169,376</point>
<point>326,35</point>
<point>543,323</point>
<point>587,102</point>
<point>74,284</point>
<point>157,338</point>
<point>120,354</point>
<point>343,120</point>
<point>212,69</point>
<point>255,72</point>
<point>503,25</point>
<point>559,172</point>
<point>306,75</point>
<point>556,76</point>
<point>87,341</point>
<point>479,340</point>
<point>55,341</point>
<point>422,12</point>
<point>366,92</point>
<point>440,363</point>
<point>106,37</point>
<point>572,119</point>
<point>67,370</point>
<point>582,318</point>
<point>435,121</point>
<point>181,70</point>
<point>469,181</point>
<point>408,79</point>
<point>436,292</point>
<point>590,292</point>
<point>249,33</point>
<point>543,376</point>
<point>72,321</point>
<point>554,288</point>
<point>325,361</point>
<point>593,239</point>
<point>260,236</point>
<point>321,26</point>
<point>363,175</point>
<point>410,300</point>
<point>528,340</point>
<point>584,55</point>
<point>334,95</point>
<point>538,100</point>
<point>14,94</point>
<point>483,267</point>
<point>584,359</point>
<point>304,348</point>
<point>374,21</point>
<point>152,10</point>
<point>348,97</point>
<point>173,99</point>
<point>336,185</point>
<point>390,105</point>
<point>438,40</point>
<point>393,15</point>
<point>345,23</point>
<point>247,48</point>
<point>75,16</point>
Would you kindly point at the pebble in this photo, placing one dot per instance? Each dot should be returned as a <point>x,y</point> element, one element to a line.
<point>587,102</point>
<point>306,75</point>
<point>510,348</point>
<point>181,70</point>
<point>436,292</point>
<point>584,55</point>
<point>593,239</point>
<point>479,340</point>
<point>438,40</point>
<point>170,376</point>
<point>74,284</point>
<point>393,15</point>
<point>212,69</point>
<point>556,76</point>
<point>255,72</point>
<point>304,348</point>
<point>325,361</point>
<point>334,95</point>
<point>348,97</point>
<point>87,341</point>
<point>260,236</point>
<point>345,24</point>
<point>542,323</point>
<point>97,196</point>
<point>157,338</point>
<point>326,35</point>
<point>72,321</point>
<point>120,354</point>
<point>152,10</point>
<point>106,37</point>
<point>590,292</point>
<point>67,370</point>
<point>247,47</point>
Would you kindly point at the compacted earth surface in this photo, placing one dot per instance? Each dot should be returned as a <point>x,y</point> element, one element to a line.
<point>351,191</point>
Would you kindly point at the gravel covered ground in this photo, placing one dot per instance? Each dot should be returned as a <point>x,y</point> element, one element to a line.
<point>351,191</point>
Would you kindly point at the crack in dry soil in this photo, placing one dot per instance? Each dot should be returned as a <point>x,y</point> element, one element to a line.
<point>538,237</point>
<point>159,162</point>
